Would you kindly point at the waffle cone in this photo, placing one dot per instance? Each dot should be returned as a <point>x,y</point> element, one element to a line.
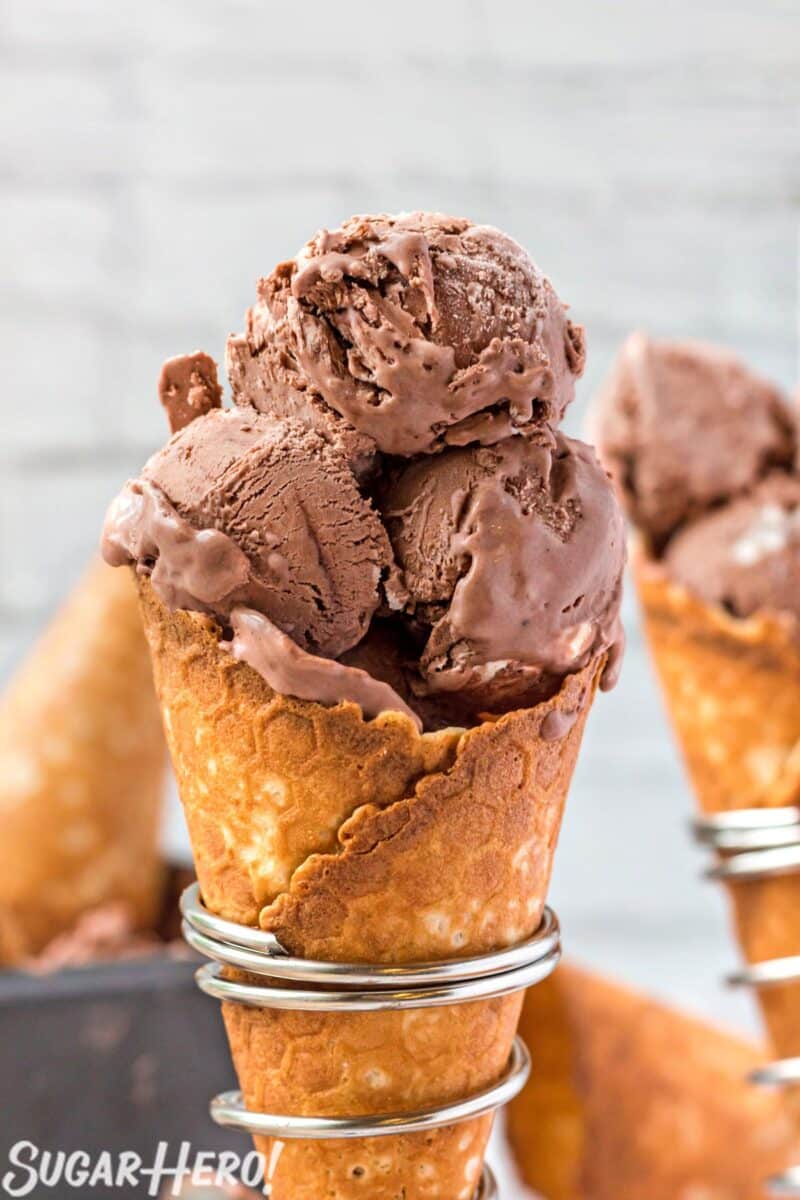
<point>732,689</point>
<point>634,1099</point>
<point>358,840</point>
<point>83,757</point>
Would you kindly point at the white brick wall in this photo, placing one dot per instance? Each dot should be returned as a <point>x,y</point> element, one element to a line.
<point>155,157</point>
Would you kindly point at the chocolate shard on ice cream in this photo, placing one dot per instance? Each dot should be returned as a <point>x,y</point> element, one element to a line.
<point>704,454</point>
<point>380,593</point>
<point>188,388</point>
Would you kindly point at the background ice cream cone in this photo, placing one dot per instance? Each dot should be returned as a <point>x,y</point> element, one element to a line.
<point>630,1098</point>
<point>83,759</point>
<point>367,841</point>
<point>732,689</point>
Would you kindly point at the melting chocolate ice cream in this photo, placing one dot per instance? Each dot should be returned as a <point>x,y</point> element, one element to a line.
<point>388,513</point>
<point>704,455</point>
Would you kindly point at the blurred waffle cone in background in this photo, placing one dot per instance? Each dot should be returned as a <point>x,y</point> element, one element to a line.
<point>630,1098</point>
<point>732,689</point>
<point>82,759</point>
<point>364,841</point>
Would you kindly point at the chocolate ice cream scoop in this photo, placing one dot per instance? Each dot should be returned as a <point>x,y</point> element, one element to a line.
<point>407,333</point>
<point>513,557</point>
<point>387,516</point>
<point>240,509</point>
<point>685,425</point>
<point>746,555</point>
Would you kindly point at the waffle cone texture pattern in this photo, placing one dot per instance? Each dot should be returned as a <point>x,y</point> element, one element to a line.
<point>357,840</point>
<point>633,1099</point>
<point>83,771</point>
<point>732,689</point>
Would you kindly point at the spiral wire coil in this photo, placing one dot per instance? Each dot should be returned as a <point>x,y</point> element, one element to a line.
<point>753,844</point>
<point>307,985</point>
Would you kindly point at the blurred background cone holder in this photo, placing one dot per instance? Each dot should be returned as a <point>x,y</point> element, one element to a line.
<point>307,985</point>
<point>755,844</point>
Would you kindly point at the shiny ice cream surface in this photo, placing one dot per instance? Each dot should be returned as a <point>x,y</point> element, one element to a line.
<point>388,514</point>
<point>745,556</point>
<point>683,426</point>
<point>512,556</point>
<point>404,333</point>
<point>242,509</point>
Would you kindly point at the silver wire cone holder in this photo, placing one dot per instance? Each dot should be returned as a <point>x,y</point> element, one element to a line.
<point>308,985</point>
<point>755,844</point>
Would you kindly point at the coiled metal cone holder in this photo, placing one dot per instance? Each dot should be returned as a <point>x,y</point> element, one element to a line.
<point>307,985</point>
<point>751,844</point>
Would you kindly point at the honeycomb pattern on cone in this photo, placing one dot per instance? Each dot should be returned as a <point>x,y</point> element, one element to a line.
<point>353,1063</point>
<point>391,846</point>
<point>460,865</point>
<point>732,690</point>
<point>443,1164</point>
<point>266,780</point>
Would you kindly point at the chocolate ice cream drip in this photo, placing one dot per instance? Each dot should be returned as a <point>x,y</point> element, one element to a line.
<point>387,515</point>
<point>293,672</point>
<point>199,569</point>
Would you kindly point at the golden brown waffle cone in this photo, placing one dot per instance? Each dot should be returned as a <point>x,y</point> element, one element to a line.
<point>732,689</point>
<point>367,841</point>
<point>82,760</point>
<point>631,1099</point>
